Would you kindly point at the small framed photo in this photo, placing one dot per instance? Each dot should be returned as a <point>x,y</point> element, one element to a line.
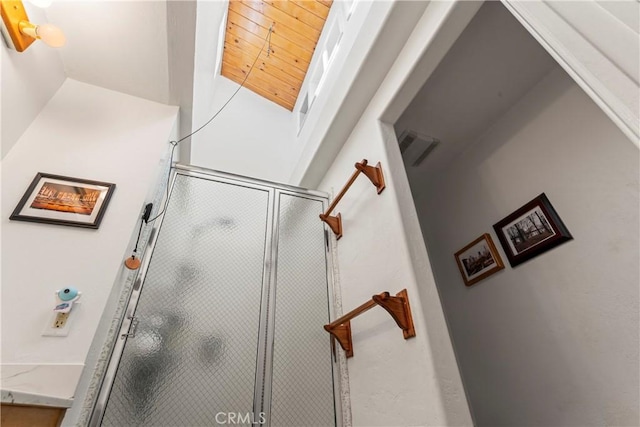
<point>478,260</point>
<point>55,199</point>
<point>531,230</point>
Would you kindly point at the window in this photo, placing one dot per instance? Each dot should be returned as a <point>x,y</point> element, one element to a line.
<point>326,51</point>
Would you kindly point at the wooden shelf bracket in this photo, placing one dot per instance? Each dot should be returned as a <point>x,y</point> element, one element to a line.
<point>375,175</point>
<point>397,306</point>
<point>334,223</point>
<point>342,333</point>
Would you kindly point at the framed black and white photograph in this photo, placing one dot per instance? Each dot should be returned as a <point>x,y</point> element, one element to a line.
<point>531,230</point>
<point>62,200</point>
<point>478,260</point>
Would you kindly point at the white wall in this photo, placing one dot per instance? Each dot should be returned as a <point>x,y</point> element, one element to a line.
<point>182,29</point>
<point>210,20</point>
<point>119,45</point>
<point>207,55</point>
<point>29,80</point>
<point>252,136</point>
<point>85,132</point>
<point>394,381</point>
<point>553,341</point>
<point>372,38</point>
<point>607,67</point>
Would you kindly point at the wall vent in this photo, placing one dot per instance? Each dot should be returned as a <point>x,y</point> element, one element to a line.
<point>416,147</point>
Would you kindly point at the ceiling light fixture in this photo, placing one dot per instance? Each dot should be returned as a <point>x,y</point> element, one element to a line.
<point>19,33</point>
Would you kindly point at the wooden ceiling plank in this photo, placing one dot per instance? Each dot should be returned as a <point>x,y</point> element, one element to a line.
<point>317,8</point>
<point>249,52</point>
<point>243,61</point>
<point>297,12</point>
<point>279,87</point>
<point>282,48</point>
<point>257,88</point>
<point>282,19</point>
<point>250,15</point>
<point>255,84</point>
<point>242,43</point>
<point>264,78</point>
<point>235,20</point>
<point>267,84</point>
<point>296,24</point>
<point>265,94</point>
<point>277,57</point>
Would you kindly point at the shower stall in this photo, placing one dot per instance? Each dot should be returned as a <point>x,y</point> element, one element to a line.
<point>224,322</point>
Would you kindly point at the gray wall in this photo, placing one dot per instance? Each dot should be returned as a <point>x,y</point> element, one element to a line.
<point>553,341</point>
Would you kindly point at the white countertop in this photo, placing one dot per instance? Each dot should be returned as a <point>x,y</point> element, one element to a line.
<point>24,398</point>
<point>39,384</point>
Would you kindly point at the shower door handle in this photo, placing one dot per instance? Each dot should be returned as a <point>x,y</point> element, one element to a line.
<point>132,328</point>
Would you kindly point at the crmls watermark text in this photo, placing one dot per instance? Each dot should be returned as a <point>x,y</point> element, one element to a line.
<point>240,418</point>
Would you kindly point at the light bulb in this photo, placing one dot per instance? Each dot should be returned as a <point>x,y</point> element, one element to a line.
<point>51,35</point>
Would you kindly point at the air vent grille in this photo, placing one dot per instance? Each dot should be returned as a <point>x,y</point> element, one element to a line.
<point>416,147</point>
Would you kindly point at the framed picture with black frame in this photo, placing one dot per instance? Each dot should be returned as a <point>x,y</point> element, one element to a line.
<point>531,230</point>
<point>62,200</point>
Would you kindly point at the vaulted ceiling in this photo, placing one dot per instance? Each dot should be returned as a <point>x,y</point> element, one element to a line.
<point>283,62</point>
<point>158,51</point>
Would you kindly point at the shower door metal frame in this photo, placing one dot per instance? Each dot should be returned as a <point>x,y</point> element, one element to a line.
<point>264,370</point>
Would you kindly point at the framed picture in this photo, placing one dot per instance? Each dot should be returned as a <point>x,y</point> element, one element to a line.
<point>478,260</point>
<point>55,199</point>
<point>531,230</point>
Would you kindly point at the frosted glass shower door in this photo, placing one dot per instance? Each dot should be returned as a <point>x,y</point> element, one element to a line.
<point>194,354</point>
<point>229,311</point>
<point>302,385</point>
